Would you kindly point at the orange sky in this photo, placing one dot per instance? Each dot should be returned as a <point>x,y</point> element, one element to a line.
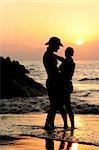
<point>25,25</point>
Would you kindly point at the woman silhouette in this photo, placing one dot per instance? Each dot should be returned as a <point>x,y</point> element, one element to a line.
<point>67,70</point>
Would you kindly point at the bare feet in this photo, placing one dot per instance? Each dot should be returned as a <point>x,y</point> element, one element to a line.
<point>49,128</point>
<point>72,128</point>
<point>66,127</point>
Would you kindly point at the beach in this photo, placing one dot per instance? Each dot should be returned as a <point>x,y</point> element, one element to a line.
<point>44,43</point>
<point>17,133</point>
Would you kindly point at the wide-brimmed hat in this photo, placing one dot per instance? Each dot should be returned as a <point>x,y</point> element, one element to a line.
<point>54,40</point>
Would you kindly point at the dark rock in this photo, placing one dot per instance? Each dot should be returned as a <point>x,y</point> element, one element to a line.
<point>14,81</point>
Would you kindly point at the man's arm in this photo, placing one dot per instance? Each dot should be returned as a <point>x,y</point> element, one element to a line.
<point>59,58</point>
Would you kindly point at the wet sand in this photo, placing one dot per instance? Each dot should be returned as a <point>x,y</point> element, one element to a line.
<point>29,143</point>
<point>18,127</point>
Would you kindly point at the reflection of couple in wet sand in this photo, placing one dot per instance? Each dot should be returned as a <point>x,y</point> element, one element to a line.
<point>59,83</point>
<point>63,145</point>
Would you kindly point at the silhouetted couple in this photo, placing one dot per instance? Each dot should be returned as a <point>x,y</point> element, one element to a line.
<point>59,82</point>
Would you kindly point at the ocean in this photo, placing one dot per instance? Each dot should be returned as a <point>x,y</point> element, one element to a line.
<point>85,82</point>
<point>21,114</point>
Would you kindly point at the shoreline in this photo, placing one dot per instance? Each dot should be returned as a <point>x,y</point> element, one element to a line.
<point>20,129</point>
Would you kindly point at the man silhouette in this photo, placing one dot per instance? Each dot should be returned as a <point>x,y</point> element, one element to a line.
<point>55,91</point>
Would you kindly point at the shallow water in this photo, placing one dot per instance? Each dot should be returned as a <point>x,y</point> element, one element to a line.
<point>87,131</point>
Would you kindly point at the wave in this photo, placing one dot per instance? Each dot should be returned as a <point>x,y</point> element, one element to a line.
<point>85,108</point>
<point>41,104</point>
<point>89,79</point>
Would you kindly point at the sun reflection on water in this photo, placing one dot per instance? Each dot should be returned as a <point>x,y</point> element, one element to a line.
<point>78,122</point>
<point>74,146</point>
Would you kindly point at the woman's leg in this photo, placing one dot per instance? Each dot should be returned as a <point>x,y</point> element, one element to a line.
<point>69,110</point>
<point>63,113</point>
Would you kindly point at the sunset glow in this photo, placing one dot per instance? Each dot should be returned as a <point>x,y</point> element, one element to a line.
<point>79,42</point>
<point>25,26</point>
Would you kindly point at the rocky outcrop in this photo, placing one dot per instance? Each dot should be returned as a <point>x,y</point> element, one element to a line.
<point>15,82</point>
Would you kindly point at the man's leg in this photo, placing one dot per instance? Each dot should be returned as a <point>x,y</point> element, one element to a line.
<point>50,117</point>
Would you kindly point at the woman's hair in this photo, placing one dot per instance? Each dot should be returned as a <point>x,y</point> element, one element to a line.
<point>69,51</point>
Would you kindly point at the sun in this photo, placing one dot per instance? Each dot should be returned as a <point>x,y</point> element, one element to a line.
<point>79,42</point>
